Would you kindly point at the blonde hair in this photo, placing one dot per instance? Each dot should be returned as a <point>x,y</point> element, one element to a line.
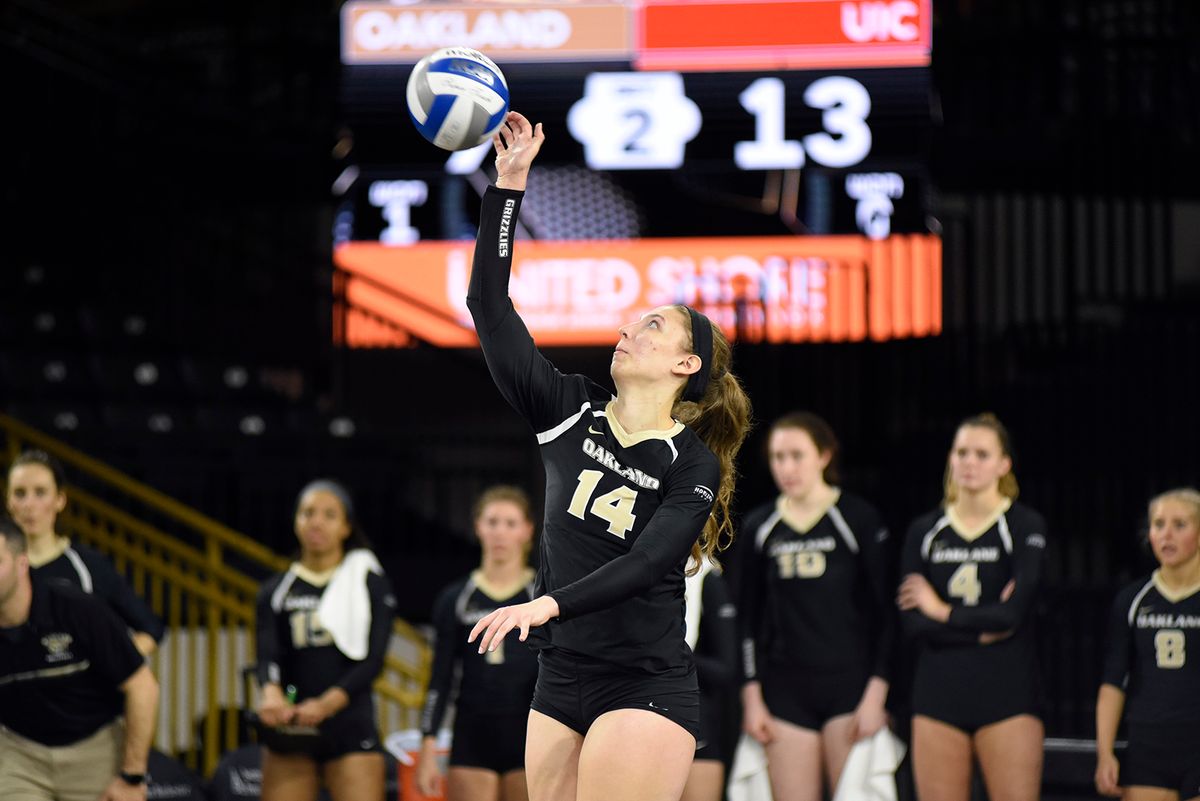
<point>503,492</point>
<point>721,419</point>
<point>1008,481</point>
<point>1185,495</point>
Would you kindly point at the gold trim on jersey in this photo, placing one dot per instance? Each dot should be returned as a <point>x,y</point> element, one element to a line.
<point>311,576</point>
<point>971,534</point>
<point>803,525</point>
<point>1174,596</point>
<point>628,440</point>
<point>61,544</point>
<point>501,592</point>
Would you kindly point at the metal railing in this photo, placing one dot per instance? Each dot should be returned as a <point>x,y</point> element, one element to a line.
<point>194,573</point>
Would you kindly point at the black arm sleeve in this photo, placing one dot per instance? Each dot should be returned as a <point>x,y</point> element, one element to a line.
<point>1118,650</point>
<point>1028,551</point>
<point>116,592</point>
<point>752,597</point>
<point>664,543</point>
<point>267,648</point>
<point>526,379</point>
<point>717,647</point>
<point>383,609</point>
<point>915,624</point>
<point>873,553</point>
<point>445,645</point>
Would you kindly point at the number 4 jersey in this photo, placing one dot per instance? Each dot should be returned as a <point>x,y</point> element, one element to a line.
<point>622,509</point>
<point>1154,652</point>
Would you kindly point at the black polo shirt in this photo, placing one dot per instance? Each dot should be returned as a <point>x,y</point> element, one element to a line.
<point>61,671</point>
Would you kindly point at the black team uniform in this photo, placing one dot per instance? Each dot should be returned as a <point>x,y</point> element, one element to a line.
<point>716,655</point>
<point>294,651</point>
<point>1153,657</point>
<point>61,671</point>
<point>957,680</point>
<point>816,608</point>
<point>491,707</point>
<point>622,513</point>
<point>81,567</point>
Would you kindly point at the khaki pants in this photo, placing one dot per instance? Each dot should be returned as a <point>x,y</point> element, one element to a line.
<point>30,771</point>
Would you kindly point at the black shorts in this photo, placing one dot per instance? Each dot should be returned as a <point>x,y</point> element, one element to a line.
<point>811,698</point>
<point>710,744</point>
<point>494,742</point>
<point>1163,756</point>
<point>973,687</point>
<point>351,731</point>
<point>575,691</point>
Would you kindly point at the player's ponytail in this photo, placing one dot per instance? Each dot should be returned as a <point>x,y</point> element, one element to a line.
<point>721,418</point>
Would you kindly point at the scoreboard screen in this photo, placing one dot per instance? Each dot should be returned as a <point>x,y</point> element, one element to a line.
<point>765,162</point>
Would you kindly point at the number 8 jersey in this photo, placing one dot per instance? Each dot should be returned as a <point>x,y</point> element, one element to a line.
<point>622,509</point>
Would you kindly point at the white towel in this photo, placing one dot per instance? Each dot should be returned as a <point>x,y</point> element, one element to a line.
<point>870,771</point>
<point>345,608</point>
<point>748,779</point>
<point>693,595</point>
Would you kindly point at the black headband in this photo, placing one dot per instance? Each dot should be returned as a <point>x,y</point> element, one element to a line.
<point>333,488</point>
<point>702,347</point>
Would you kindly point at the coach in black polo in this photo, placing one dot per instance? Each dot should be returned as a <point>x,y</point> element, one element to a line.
<point>68,673</point>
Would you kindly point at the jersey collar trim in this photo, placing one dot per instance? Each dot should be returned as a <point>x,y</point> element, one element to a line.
<point>1172,595</point>
<point>311,576</point>
<point>501,592</point>
<point>970,534</point>
<point>628,440</point>
<point>61,544</point>
<point>805,524</point>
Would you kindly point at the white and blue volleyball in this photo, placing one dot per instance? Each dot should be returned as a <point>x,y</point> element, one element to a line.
<point>457,98</point>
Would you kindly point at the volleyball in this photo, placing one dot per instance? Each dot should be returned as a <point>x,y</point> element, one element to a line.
<point>457,97</point>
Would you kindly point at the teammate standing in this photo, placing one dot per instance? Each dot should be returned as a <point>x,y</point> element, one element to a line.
<point>1152,670</point>
<point>35,497</point>
<point>487,759</point>
<point>323,629</point>
<point>815,605</point>
<point>971,573</point>
<point>634,483</point>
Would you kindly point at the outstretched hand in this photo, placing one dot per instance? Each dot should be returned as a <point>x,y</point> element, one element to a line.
<point>496,624</point>
<point>517,144</point>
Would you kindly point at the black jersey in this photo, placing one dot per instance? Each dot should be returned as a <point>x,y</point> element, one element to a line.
<point>622,510</point>
<point>61,671</point>
<point>817,595</point>
<point>970,569</point>
<point>716,644</point>
<point>295,649</point>
<point>88,570</point>
<point>1154,653</point>
<point>496,682</point>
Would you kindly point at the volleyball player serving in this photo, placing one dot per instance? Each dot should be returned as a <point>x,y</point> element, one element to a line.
<point>635,482</point>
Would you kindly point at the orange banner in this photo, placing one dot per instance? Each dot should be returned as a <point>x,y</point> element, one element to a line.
<point>777,289</point>
<point>385,33</point>
<point>784,34</point>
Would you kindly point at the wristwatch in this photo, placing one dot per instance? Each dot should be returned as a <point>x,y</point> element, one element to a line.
<point>133,779</point>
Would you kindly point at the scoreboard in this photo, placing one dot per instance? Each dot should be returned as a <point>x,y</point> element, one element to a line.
<point>766,162</point>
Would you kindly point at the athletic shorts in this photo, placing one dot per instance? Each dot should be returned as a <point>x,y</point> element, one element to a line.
<point>969,690</point>
<point>575,691</point>
<point>1163,756</point>
<point>350,731</point>
<point>713,731</point>
<point>494,742</point>
<point>811,698</point>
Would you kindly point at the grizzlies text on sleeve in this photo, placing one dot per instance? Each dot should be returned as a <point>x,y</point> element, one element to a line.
<point>622,510</point>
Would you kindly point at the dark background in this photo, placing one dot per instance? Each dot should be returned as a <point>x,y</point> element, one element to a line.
<point>172,163</point>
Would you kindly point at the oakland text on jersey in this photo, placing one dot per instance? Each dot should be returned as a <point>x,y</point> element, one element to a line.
<point>293,602</point>
<point>505,227</point>
<point>604,457</point>
<point>1149,620</point>
<point>824,544</point>
<point>951,554</point>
